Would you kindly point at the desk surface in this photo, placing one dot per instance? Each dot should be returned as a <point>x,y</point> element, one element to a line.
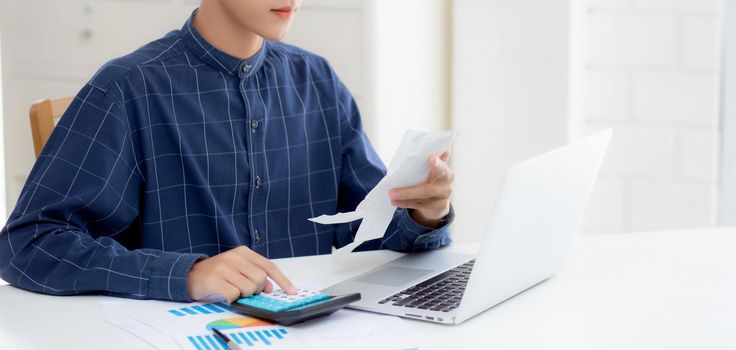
<point>657,290</point>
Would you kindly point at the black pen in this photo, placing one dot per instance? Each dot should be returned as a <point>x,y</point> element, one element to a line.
<point>229,342</point>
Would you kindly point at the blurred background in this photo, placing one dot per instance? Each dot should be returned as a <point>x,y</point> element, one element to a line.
<point>514,77</point>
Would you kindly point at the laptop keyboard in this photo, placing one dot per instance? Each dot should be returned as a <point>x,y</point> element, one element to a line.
<point>439,293</point>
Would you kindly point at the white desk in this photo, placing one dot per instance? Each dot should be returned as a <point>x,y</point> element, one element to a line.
<point>663,290</point>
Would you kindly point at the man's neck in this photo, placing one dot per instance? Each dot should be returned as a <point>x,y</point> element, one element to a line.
<point>222,32</point>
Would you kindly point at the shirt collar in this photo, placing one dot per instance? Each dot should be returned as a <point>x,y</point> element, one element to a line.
<point>217,59</point>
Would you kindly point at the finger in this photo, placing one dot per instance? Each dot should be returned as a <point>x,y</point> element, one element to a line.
<point>445,156</point>
<point>271,270</point>
<point>254,273</point>
<point>425,191</point>
<point>279,277</point>
<point>438,170</point>
<point>228,291</point>
<point>409,204</point>
<point>245,286</point>
<point>268,288</point>
<point>441,175</point>
<point>435,206</point>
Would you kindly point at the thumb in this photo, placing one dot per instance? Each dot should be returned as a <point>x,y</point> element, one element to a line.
<point>435,167</point>
<point>445,156</point>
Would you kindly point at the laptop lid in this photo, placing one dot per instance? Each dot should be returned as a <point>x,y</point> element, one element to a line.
<point>536,214</point>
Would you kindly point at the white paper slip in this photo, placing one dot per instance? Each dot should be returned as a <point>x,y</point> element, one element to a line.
<point>408,167</point>
<point>337,218</point>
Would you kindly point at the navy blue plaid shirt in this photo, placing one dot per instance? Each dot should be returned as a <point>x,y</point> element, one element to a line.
<point>178,151</point>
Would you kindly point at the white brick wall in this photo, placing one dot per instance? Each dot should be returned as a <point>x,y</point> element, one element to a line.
<point>640,151</point>
<point>673,97</point>
<point>631,39</point>
<point>652,73</point>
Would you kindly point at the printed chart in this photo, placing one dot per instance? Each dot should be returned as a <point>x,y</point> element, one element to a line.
<point>264,337</point>
<point>244,330</point>
<point>237,322</point>
<point>204,309</point>
<point>169,325</point>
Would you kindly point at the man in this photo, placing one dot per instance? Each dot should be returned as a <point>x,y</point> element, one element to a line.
<point>180,169</point>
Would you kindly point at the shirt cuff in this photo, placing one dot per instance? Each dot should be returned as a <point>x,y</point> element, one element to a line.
<point>168,277</point>
<point>415,232</point>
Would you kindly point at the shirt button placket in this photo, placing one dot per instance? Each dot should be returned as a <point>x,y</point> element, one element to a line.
<point>258,162</point>
<point>255,164</point>
<point>258,181</point>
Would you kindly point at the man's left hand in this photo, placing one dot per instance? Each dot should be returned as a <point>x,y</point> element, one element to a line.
<point>429,200</point>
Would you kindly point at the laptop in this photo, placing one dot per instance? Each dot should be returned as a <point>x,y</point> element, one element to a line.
<point>535,217</point>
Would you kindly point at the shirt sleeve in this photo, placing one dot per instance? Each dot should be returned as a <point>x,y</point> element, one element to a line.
<point>362,169</point>
<point>80,202</point>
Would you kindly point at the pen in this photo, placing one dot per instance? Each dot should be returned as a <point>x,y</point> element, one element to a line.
<point>230,344</point>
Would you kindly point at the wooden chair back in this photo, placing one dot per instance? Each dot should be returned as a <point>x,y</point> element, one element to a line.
<point>44,115</point>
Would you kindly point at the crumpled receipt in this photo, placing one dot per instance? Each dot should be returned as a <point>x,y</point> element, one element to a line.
<point>408,167</point>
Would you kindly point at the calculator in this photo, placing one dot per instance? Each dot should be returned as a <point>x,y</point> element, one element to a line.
<point>286,309</point>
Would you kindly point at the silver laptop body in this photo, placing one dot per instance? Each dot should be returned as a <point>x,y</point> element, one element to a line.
<point>536,214</point>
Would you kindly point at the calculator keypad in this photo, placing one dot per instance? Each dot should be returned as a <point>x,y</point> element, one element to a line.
<point>280,301</point>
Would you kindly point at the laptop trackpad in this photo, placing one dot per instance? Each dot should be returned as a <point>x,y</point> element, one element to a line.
<point>393,276</point>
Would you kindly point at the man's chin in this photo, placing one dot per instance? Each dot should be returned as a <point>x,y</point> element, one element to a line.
<point>275,35</point>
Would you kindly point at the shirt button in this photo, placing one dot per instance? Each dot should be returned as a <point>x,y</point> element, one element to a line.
<point>258,182</point>
<point>258,236</point>
<point>254,125</point>
<point>246,68</point>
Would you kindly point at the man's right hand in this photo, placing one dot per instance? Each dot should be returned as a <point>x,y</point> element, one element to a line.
<point>234,273</point>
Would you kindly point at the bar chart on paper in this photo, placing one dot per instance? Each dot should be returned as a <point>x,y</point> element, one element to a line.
<point>245,331</point>
<point>255,338</point>
<point>204,309</point>
<point>169,325</point>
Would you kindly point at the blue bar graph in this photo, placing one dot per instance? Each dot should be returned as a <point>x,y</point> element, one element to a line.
<point>224,306</point>
<point>221,342</point>
<point>212,342</point>
<point>245,339</point>
<point>214,308</point>
<point>203,309</point>
<point>188,310</point>
<point>249,338</point>
<point>263,339</point>
<point>177,312</point>
<point>191,339</point>
<point>204,343</point>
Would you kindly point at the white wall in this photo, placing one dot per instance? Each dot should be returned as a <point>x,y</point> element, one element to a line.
<point>412,67</point>
<point>3,209</point>
<point>510,95</point>
<point>727,190</point>
<point>652,73</point>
